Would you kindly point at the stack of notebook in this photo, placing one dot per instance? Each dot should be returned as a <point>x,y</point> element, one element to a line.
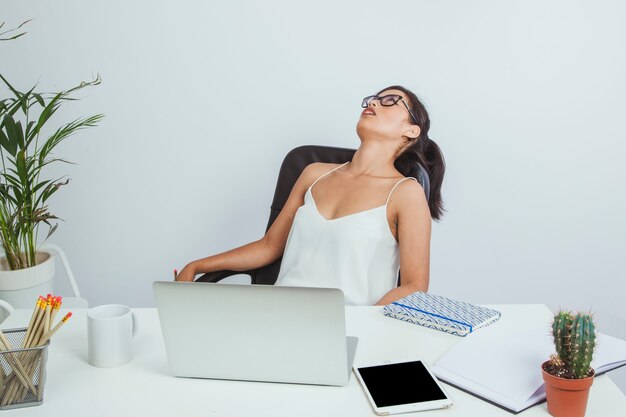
<point>441,313</point>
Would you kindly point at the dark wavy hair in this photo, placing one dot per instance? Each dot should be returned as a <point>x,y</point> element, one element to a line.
<point>423,150</point>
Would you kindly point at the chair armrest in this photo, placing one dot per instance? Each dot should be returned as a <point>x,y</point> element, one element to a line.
<point>217,276</point>
<point>66,266</point>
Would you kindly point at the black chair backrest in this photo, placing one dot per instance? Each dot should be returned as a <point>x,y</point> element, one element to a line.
<point>293,165</point>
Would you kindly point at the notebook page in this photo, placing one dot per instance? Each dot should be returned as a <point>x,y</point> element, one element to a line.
<point>506,365</point>
<point>510,366</point>
<point>610,353</point>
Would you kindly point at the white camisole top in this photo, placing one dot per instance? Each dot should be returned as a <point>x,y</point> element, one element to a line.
<point>356,253</point>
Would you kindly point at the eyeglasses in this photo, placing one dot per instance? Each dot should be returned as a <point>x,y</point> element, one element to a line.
<point>387,101</point>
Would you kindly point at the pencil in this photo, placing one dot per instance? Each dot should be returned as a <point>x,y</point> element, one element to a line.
<point>16,392</point>
<point>56,328</point>
<point>19,370</point>
<point>12,386</point>
<point>25,364</point>
<point>32,320</point>
<point>32,358</point>
<point>41,336</point>
<point>36,324</point>
<point>46,326</point>
<point>55,309</point>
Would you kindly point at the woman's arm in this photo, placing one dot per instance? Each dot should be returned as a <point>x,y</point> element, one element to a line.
<point>414,224</point>
<point>265,250</point>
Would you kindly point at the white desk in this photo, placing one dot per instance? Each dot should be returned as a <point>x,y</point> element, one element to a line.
<point>145,387</point>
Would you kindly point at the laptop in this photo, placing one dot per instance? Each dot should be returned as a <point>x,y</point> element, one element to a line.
<point>255,332</point>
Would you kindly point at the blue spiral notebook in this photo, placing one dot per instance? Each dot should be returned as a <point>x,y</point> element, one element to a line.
<point>441,313</point>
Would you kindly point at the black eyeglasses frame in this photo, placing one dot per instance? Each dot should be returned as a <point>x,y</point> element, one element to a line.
<point>366,101</point>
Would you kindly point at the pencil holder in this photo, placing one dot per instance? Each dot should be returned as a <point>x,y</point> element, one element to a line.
<point>22,372</point>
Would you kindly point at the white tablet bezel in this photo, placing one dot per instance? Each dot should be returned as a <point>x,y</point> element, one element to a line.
<point>403,408</point>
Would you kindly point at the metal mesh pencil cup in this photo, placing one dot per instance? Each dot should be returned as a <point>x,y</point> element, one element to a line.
<point>22,372</point>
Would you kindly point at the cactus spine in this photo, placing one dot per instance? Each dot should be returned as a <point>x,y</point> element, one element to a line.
<point>574,340</point>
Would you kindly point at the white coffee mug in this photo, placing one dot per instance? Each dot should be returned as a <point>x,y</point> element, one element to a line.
<point>110,332</point>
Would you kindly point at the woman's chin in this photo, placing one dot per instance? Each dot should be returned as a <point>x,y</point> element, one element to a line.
<point>363,130</point>
<point>367,130</point>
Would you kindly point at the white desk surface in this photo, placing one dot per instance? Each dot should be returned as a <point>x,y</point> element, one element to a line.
<point>146,387</point>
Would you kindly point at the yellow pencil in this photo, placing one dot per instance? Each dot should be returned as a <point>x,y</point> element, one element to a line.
<point>47,316</point>
<point>56,328</point>
<point>25,363</point>
<point>32,320</point>
<point>36,324</point>
<point>17,366</point>
<point>56,305</point>
<point>17,393</point>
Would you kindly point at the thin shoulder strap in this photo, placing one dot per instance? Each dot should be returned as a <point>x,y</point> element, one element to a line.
<point>323,175</point>
<point>398,183</point>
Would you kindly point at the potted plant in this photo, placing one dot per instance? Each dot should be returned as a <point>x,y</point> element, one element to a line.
<point>568,374</point>
<point>26,147</point>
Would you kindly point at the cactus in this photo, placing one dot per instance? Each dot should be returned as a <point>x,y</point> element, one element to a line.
<point>583,343</point>
<point>562,337</point>
<point>574,340</point>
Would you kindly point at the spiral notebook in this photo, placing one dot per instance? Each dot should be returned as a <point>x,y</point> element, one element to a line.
<point>441,313</point>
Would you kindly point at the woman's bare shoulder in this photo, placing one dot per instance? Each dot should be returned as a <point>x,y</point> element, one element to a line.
<point>316,169</point>
<point>409,195</point>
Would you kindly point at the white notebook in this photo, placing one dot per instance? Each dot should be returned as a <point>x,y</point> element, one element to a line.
<point>507,370</point>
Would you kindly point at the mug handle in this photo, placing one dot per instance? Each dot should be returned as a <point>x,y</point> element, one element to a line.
<point>134,318</point>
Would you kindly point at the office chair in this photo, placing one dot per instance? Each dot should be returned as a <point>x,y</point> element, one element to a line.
<point>293,165</point>
<point>75,300</point>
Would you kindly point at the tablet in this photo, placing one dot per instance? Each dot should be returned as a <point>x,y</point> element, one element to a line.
<point>401,386</point>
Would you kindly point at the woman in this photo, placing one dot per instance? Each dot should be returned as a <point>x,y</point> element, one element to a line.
<point>351,226</point>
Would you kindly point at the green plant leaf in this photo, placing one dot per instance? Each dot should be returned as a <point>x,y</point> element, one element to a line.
<point>48,111</point>
<point>5,192</point>
<point>51,189</point>
<point>65,161</point>
<point>25,100</point>
<point>12,132</point>
<point>40,185</point>
<point>16,93</point>
<point>29,135</point>
<point>13,37</point>
<point>10,106</point>
<point>6,144</point>
<point>65,131</point>
<point>3,106</point>
<point>13,180</point>
<point>8,198</point>
<point>12,30</point>
<point>20,164</point>
<point>9,85</point>
<point>23,207</point>
<point>39,99</point>
<point>13,169</point>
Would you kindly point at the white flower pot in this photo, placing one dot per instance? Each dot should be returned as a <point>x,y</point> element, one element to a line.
<point>21,287</point>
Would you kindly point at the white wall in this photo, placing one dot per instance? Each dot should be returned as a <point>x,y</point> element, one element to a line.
<point>203,99</point>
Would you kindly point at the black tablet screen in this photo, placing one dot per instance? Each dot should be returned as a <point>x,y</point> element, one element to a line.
<point>400,383</point>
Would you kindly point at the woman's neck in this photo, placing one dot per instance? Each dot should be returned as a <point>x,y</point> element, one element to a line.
<point>374,160</point>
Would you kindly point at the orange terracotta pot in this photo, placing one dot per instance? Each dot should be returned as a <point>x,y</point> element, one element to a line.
<point>566,397</point>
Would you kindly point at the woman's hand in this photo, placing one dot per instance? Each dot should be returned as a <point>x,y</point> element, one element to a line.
<point>188,273</point>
